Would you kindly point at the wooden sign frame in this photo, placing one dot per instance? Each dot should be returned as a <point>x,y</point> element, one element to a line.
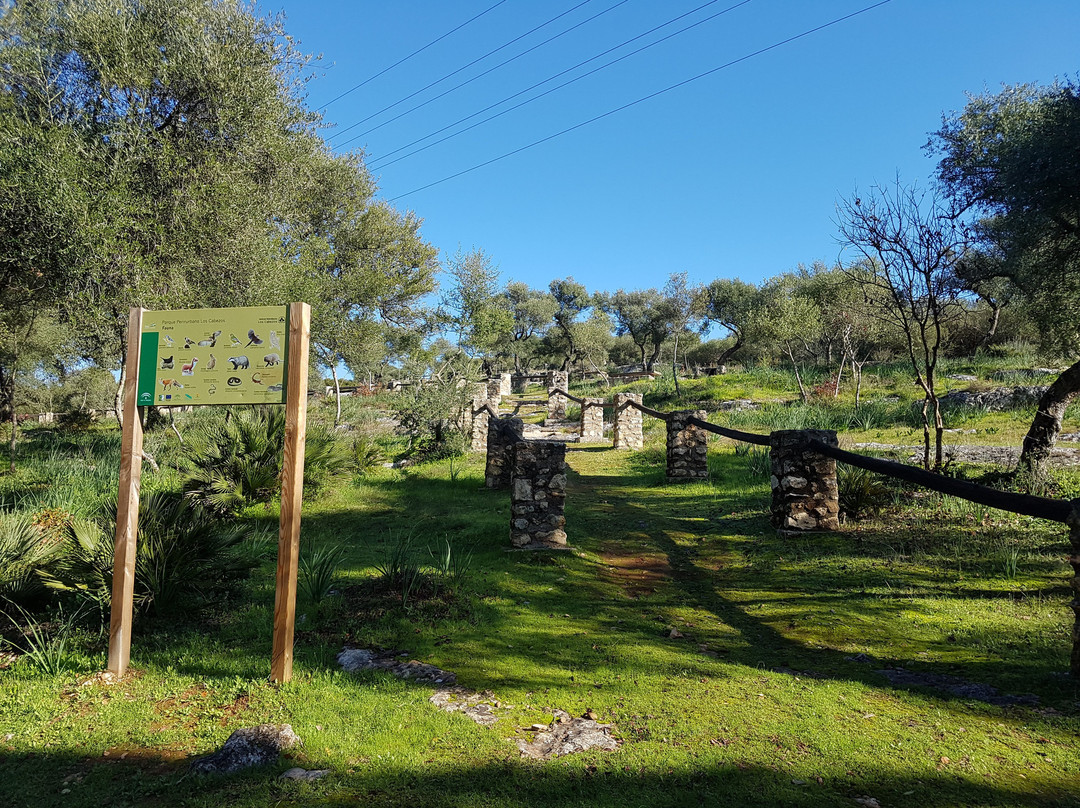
<point>292,488</point>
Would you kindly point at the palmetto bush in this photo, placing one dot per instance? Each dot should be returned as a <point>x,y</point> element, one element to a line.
<point>26,551</point>
<point>235,463</point>
<point>185,556</point>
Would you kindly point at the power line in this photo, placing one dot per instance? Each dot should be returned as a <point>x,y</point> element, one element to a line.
<point>644,98</point>
<point>411,55</point>
<point>552,78</point>
<point>463,67</point>
<point>489,70</point>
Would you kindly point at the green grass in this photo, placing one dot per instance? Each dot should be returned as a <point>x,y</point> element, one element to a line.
<point>771,696</point>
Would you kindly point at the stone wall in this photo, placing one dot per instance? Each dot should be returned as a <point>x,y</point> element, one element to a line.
<point>557,379</point>
<point>804,490</point>
<point>538,494</point>
<point>505,385</point>
<point>592,420</point>
<point>628,422</point>
<point>519,383</point>
<point>494,392</point>
<point>497,472</point>
<point>687,448</point>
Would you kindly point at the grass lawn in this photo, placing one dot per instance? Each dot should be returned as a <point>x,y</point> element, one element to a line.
<point>737,667</point>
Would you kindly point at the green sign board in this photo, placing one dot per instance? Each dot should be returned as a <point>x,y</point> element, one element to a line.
<point>213,356</point>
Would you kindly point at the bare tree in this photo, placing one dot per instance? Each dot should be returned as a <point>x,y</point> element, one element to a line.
<point>911,242</point>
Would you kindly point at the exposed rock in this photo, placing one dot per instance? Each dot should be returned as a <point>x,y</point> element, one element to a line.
<point>566,736</point>
<point>962,377</point>
<point>1000,398</point>
<point>360,659</point>
<point>477,706</point>
<point>247,747</point>
<point>306,775</point>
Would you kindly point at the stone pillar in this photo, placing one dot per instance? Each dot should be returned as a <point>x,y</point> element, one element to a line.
<point>494,392</point>
<point>538,494</point>
<point>504,383</point>
<point>497,472</point>
<point>804,491</point>
<point>557,379</point>
<point>1074,559</point>
<point>519,382</point>
<point>480,418</point>
<point>628,422</point>
<point>687,448</point>
<point>592,420</point>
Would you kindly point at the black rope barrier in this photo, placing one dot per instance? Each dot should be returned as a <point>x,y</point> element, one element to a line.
<point>734,434</point>
<point>1026,504</point>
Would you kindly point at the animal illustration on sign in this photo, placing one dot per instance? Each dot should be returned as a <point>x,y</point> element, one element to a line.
<point>257,378</point>
<point>233,381</point>
<point>271,359</point>
<point>167,383</point>
<point>239,362</point>
<point>253,338</point>
<point>210,343</point>
<point>188,342</point>
<point>167,362</point>
<point>274,340</point>
<point>275,388</point>
<point>211,389</point>
<point>235,340</point>
<point>212,363</point>
<point>189,368</point>
<point>169,341</point>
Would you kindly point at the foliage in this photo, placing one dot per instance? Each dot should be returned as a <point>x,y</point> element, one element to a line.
<point>367,454</point>
<point>46,645</point>
<point>185,557</point>
<point>318,567</point>
<point>26,551</point>
<point>236,462</point>
<point>861,492</point>
<point>474,310</point>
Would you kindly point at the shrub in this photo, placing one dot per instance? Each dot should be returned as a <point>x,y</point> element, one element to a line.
<point>861,492</point>
<point>25,553</point>
<point>237,462</point>
<point>184,558</point>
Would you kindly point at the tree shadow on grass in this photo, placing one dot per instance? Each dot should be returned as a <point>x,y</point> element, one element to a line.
<point>143,778</point>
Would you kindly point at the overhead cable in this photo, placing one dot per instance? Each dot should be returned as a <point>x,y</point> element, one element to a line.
<point>411,55</point>
<point>463,67</point>
<point>648,97</point>
<point>549,79</point>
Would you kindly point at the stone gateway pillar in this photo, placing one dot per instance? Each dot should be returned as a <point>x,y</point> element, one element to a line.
<point>504,383</point>
<point>628,422</point>
<point>557,379</point>
<point>538,494</point>
<point>497,472</point>
<point>687,448</point>
<point>592,420</point>
<point>480,418</point>
<point>804,490</point>
<point>494,392</point>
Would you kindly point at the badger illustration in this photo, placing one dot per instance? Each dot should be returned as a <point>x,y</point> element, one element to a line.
<point>272,359</point>
<point>239,362</point>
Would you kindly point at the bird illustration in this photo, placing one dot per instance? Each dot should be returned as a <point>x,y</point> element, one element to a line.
<point>274,340</point>
<point>167,362</point>
<point>212,363</point>
<point>210,343</point>
<point>235,339</point>
<point>188,342</point>
<point>189,368</point>
<point>169,341</point>
<point>253,338</point>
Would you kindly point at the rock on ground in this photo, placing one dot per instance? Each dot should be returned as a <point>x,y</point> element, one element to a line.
<point>247,747</point>
<point>360,659</point>
<point>566,736</point>
<point>477,706</point>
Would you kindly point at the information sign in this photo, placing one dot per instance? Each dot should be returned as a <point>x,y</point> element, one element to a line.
<point>213,356</point>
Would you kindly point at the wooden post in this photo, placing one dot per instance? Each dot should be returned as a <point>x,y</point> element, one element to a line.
<point>292,489</point>
<point>127,507</point>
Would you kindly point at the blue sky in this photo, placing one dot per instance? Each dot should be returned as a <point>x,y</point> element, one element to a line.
<point>733,175</point>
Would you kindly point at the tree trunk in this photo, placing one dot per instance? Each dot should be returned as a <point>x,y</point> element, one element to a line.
<point>991,330</point>
<point>730,352</point>
<point>14,421</point>
<point>652,360</point>
<point>798,376</point>
<point>675,366</point>
<point>1041,437</point>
